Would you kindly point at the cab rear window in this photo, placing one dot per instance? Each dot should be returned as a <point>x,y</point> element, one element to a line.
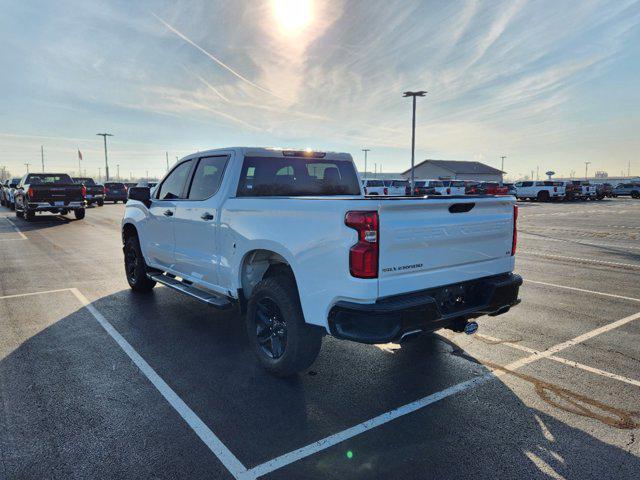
<point>294,176</point>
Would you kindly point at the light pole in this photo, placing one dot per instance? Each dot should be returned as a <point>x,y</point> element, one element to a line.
<point>27,164</point>
<point>502,167</point>
<point>420,93</point>
<point>118,171</point>
<point>365,150</point>
<point>106,162</point>
<point>99,174</point>
<point>42,156</point>
<point>586,170</point>
<point>166,154</point>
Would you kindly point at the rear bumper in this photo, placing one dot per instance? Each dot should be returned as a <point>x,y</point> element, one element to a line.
<point>392,318</point>
<point>115,196</point>
<point>48,207</point>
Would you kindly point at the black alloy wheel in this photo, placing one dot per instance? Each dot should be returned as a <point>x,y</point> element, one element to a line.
<point>271,328</point>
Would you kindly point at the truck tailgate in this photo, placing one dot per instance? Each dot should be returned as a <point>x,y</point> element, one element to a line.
<point>435,242</point>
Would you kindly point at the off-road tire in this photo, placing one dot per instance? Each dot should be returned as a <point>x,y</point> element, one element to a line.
<point>135,267</point>
<point>543,196</point>
<point>303,342</point>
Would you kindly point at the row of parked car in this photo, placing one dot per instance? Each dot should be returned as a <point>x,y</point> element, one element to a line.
<point>95,193</point>
<point>397,187</point>
<point>540,190</point>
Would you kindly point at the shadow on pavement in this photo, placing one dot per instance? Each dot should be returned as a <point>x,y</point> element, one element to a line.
<point>74,405</point>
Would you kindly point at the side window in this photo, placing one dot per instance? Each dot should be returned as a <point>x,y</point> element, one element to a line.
<point>173,185</point>
<point>207,178</point>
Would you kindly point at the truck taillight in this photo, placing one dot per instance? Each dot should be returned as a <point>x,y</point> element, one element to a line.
<point>385,190</point>
<point>514,243</point>
<point>84,191</point>
<point>363,256</point>
<point>105,189</point>
<point>30,192</point>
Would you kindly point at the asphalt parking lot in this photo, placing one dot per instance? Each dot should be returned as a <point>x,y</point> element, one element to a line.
<point>96,381</point>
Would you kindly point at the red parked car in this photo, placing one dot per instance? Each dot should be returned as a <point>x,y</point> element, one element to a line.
<point>488,188</point>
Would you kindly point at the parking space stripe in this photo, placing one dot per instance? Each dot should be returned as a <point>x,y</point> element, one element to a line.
<point>583,260</point>
<point>22,235</point>
<point>597,371</point>
<point>565,361</point>
<point>621,297</point>
<point>228,459</point>
<point>323,444</point>
<point>44,292</point>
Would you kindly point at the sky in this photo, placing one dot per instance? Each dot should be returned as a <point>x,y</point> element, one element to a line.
<point>549,84</point>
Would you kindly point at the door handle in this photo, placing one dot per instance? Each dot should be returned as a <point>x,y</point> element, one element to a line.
<point>168,213</point>
<point>206,216</point>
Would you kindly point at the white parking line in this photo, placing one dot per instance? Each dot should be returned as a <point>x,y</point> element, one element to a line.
<point>291,457</point>
<point>594,292</point>
<point>44,292</point>
<point>228,459</point>
<point>583,260</point>
<point>578,242</point>
<point>22,235</point>
<point>565,361</point>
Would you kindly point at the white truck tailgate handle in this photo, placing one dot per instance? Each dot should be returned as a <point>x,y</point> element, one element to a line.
<point>461,207</point>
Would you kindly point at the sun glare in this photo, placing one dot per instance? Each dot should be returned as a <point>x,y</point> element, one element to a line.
<point>292,16</point>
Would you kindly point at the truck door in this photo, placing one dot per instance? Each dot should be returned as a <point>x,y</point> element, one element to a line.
<point>159,243</point>
<point>197,221</point>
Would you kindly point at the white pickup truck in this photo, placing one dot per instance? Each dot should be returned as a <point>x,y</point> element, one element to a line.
<point>540,190</point>
<point>288,238</point>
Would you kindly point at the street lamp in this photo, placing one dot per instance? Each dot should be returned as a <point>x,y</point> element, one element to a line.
<point>586,170</point>
<point>365,150</point>
<point>106,162</point>
<point>420,93</point>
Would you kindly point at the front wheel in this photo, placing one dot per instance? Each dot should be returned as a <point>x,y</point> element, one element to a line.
<point>135,267</point>
<point>278,335</point>
<point>79,214</point>
<point>100,203</point>
<point>29,215</point>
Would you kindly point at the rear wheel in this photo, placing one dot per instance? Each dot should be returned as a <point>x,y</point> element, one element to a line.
<point>19,213</point>
<point>278,335</point>
<point>64,212</point>
<point>100,203</point>
<point>543,196</point>
<point>29,215</point>
<point>135,267</point>
<point>635,194</point>
<point>79,213</point>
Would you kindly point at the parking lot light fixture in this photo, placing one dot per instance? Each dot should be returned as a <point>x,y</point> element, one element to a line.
<point>106,161</point>
<point>365,150</point>
<point>420,93</point>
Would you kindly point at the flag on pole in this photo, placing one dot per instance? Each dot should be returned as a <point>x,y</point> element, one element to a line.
<point>79,155</point>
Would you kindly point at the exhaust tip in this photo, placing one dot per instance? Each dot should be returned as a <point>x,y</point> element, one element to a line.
<point>470,328</point>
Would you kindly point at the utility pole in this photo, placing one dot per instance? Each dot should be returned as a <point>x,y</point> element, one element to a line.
<point>147,175</point>
<point>502,167</point>
<point>106,162</point>
<point>413,95</point>
<point>42,156</point>
<point>365,150</point>
<point>99,174</point>
<point>586,170</point>
<point>166,154</point>
<point>375,170</point>
<point>537,173</point>
<point>27,164</point>
<point>118,176</point>
<point>629,169</point>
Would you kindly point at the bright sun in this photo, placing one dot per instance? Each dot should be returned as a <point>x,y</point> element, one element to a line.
<point>292,16</point>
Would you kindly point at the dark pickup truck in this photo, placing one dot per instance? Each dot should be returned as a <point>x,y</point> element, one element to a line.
<point>95,192</point>
<point>115,192</point>
<point>49,192</point>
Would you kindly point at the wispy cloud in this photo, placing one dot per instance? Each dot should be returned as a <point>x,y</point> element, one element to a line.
<point>212,57</point>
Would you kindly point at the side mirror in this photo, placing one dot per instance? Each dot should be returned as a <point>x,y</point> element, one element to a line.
<point>141,194</point>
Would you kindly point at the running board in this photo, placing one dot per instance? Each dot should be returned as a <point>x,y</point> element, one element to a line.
<point>210,298</point>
